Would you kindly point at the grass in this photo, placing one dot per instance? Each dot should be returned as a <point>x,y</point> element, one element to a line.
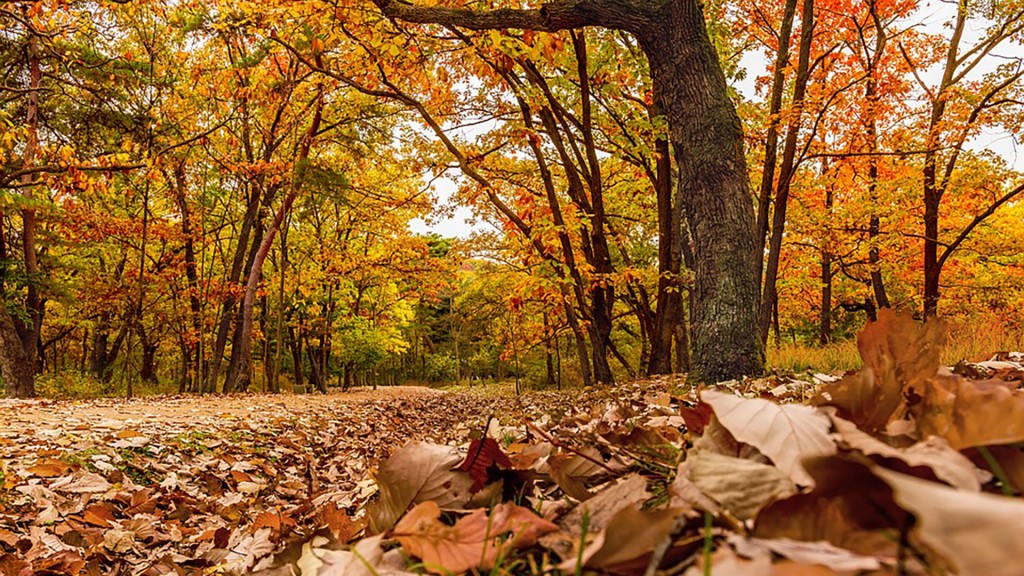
<point>975,340</point>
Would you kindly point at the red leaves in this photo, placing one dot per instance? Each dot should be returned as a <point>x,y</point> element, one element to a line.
<point>483,455</point>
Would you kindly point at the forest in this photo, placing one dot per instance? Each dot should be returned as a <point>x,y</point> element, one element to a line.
<point>603,287</point>
<point>206,197</point>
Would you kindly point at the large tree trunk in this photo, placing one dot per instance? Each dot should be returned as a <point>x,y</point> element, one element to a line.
<point>708,141</point>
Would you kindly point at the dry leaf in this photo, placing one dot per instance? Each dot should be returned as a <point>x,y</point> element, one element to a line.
<point>898,354</point>
<point>740,486</point>
<point>473,542</point>
<point>820,553</point>
<point>979,533</point>
<point>785,433</point>
<point>971,413</point>
<point>418,472</point>
<point>629,535</point>
<point>946,464</point>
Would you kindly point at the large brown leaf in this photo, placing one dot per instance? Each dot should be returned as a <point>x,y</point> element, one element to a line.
<point>898,354</point>
<point>971,413</point>
<point>934,454</point>
<point>475,541</point>
<point>418,472</point>
<point>785,433</point>
<point>979,533</point>
<point>740,486</point>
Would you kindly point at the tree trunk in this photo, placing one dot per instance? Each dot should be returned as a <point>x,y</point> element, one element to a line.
<point>15,367</point>
<point>243,372</point>
<point>668,314</point>
<point>708,141</point>
<point>770,295</point>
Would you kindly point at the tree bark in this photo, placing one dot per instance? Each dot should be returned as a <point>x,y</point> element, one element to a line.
<point>769,295</point>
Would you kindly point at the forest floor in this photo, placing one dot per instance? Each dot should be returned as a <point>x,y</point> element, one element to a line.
<point>596,481</point>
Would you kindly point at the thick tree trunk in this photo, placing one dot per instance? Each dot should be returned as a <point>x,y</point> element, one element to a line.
<point>15,367</point>
<point>708,141</point>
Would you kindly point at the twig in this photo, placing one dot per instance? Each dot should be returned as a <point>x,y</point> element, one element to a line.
<point>547,437</point>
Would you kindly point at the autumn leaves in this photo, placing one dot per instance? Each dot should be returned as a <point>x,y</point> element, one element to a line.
<point>890,471</point>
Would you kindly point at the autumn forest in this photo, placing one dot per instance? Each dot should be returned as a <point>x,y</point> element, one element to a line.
<point>218,196</point>
<point>576,287</point>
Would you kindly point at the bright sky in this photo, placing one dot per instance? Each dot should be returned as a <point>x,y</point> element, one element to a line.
<point>934,16</point>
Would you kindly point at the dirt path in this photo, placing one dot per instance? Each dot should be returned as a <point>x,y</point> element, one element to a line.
<point>118,413</point>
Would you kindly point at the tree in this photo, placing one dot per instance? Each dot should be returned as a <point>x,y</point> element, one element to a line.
<point>707,138</point>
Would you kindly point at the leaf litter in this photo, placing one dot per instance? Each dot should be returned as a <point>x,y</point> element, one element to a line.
<point>903,467</point>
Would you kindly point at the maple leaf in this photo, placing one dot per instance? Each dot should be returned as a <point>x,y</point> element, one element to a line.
<point>484,453</point>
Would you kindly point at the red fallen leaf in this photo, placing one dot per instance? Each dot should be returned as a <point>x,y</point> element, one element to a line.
<point>696,418</point>
<point>482,455</point>
<point>99,515</point>
<point>240,476</point>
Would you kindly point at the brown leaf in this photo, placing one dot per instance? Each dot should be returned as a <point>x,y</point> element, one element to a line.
<point>99,515</point>
<point>785,433</point>
<point>979,533</point>
<point>1009,459</point>
<point>849,507</point>
<point>740,486</point>
<point>803,553</point>
<point>935,454</point>
<point>418,472</point>
<point>898,354</point>
<point>630,534</point>
<point>341,525</point>
<point>473,542</point>
<point>49,468</point>
<point>971,413</point>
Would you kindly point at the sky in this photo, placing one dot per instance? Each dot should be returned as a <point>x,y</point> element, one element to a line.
<point>934,16</point>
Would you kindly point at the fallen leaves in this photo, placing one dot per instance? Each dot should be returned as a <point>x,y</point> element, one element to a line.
<point>415,473</point>
<point>786,433</point>
<point>894,469</point>
<point>474,541</point>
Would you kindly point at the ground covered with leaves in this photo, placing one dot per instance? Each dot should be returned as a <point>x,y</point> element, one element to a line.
<point>904,467</point>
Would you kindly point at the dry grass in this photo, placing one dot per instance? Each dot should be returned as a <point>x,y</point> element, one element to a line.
<point>975,340</point>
